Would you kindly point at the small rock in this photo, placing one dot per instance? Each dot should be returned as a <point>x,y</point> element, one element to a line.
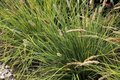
<point>6,72</point>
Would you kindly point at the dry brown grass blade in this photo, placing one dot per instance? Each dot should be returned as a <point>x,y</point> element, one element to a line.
<point>91,36</point>
<point>116,32</point>
<point>94,14</point>
<point>104,2</point>
<point>118,4</point>
<point>22,2</point>
<point>74,63</point>
<point>60,32</point>
<point>86,63</point>
<point>116,8</point>
<point>91,2</point>
<point>116,40</point>
<point>76,30</point>
<point>109,27</point>
<point>91,58</point>
<point>104,77</point>
<point>1,31</point>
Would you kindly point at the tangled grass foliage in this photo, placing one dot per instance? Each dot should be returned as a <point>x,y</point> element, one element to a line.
<point>59,40</point>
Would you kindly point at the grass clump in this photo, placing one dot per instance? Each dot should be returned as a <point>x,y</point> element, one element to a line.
<point>58,40</point>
